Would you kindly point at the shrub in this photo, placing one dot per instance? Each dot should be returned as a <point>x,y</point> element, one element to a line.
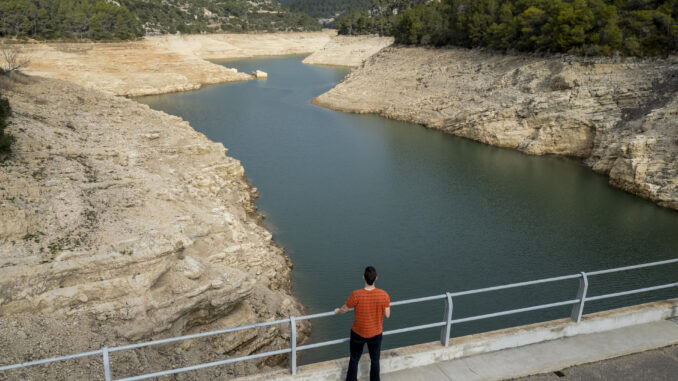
<point>6,140</point>
<point>585,27</point>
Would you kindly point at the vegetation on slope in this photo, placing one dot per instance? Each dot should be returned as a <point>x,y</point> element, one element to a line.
<point>196,16</point>
<point>327,8</point>
<point>5,139</point>
<point>129,19</point>
<point>378,18</point>
<point>587,27</point>
<point>50,19</point>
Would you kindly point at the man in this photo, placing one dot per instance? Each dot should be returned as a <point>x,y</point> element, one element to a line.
<point>371,305</point>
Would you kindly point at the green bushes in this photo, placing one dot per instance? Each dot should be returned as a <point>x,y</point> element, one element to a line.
<point>199,16</point>
<point>272,22</point>
<point>425,25</point>
<point>51,19</point>
<point>327,8</point>
<point>5,139</point>
<point>584,27</point>
<point>378,18</point>
<point>130,19</point>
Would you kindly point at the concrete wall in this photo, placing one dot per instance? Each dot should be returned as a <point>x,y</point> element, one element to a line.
<point>425,354</point>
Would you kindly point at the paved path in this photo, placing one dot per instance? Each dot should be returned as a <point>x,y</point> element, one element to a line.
<point>557,355</point>
<point>657,365</point>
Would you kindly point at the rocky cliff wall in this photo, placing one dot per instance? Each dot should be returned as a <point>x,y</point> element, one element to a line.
<point>119,223</point>
<point>620,118</point>
<point>348,50</point>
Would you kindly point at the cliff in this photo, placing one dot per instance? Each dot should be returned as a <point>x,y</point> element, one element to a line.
<point>120,223</point>
<point>620,118</point>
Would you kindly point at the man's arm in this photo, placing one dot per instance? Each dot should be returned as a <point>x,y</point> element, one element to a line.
<point>344,309</point>
<point>387,312</point>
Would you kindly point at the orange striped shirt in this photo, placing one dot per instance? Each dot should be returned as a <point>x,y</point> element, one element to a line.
<point>369,311</point>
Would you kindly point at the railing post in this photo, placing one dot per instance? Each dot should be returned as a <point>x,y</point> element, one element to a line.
<point>578,309</point>
<point>446,330</point>
<point>293,345</point>
<point>107,366</point>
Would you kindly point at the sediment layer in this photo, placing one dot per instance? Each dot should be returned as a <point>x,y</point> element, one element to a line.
<point>128,224</point>
<point>620,118</point>
<point>161,64</point>
<point>348,50</point>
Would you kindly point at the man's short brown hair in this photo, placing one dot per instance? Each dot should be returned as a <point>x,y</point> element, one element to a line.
<point>370,275</point>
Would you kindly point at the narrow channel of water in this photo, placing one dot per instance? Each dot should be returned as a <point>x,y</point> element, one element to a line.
<point>432,212</point>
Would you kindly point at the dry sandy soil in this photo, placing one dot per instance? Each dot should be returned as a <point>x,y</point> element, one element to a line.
<point>161,64</point>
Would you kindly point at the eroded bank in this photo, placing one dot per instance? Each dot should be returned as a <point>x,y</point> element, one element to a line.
<point>620,118</point>
<point>120,223</point>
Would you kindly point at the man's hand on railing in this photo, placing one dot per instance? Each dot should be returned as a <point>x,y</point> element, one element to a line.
<point>344,309</point>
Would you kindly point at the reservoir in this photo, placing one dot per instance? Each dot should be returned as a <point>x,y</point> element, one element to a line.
<point>432,212</point>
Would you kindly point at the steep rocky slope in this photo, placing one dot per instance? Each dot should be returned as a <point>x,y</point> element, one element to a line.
<point>619,117</point>
<point>348,50</point>
<point>126,223</point>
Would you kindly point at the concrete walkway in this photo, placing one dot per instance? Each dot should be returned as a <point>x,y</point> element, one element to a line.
<point>656,365</point>
<point>548,356</point>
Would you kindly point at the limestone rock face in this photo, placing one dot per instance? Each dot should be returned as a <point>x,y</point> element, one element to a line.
<point>348,50</point>
<point>619,117</point>
<point>260,74</point>
<point>125,220</point>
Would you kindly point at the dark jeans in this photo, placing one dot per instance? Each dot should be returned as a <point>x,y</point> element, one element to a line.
<point>357,344</point>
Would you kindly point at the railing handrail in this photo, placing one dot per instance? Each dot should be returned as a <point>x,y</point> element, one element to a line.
<point>445,334</point>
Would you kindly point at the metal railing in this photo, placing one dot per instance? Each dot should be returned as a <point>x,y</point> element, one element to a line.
<point>446,325</point>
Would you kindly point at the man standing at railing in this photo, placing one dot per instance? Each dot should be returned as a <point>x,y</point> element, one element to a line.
<point>371,305</point>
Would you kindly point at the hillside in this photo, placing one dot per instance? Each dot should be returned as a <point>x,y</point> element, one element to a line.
<point>327,8</point>
<point>581,27</point>
<point>378,17</point>
<point>196,16</point>
<point>130,19</point>
<point>348,50</point>
<point>120,223</point>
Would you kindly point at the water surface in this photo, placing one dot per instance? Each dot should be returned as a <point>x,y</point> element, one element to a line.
<point>432,212</point>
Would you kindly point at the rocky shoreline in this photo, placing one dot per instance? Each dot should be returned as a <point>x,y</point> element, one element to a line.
<point>128,224</point>
<point>619,118</point>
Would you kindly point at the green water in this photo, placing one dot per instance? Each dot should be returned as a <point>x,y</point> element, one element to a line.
<point>432,212</point>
